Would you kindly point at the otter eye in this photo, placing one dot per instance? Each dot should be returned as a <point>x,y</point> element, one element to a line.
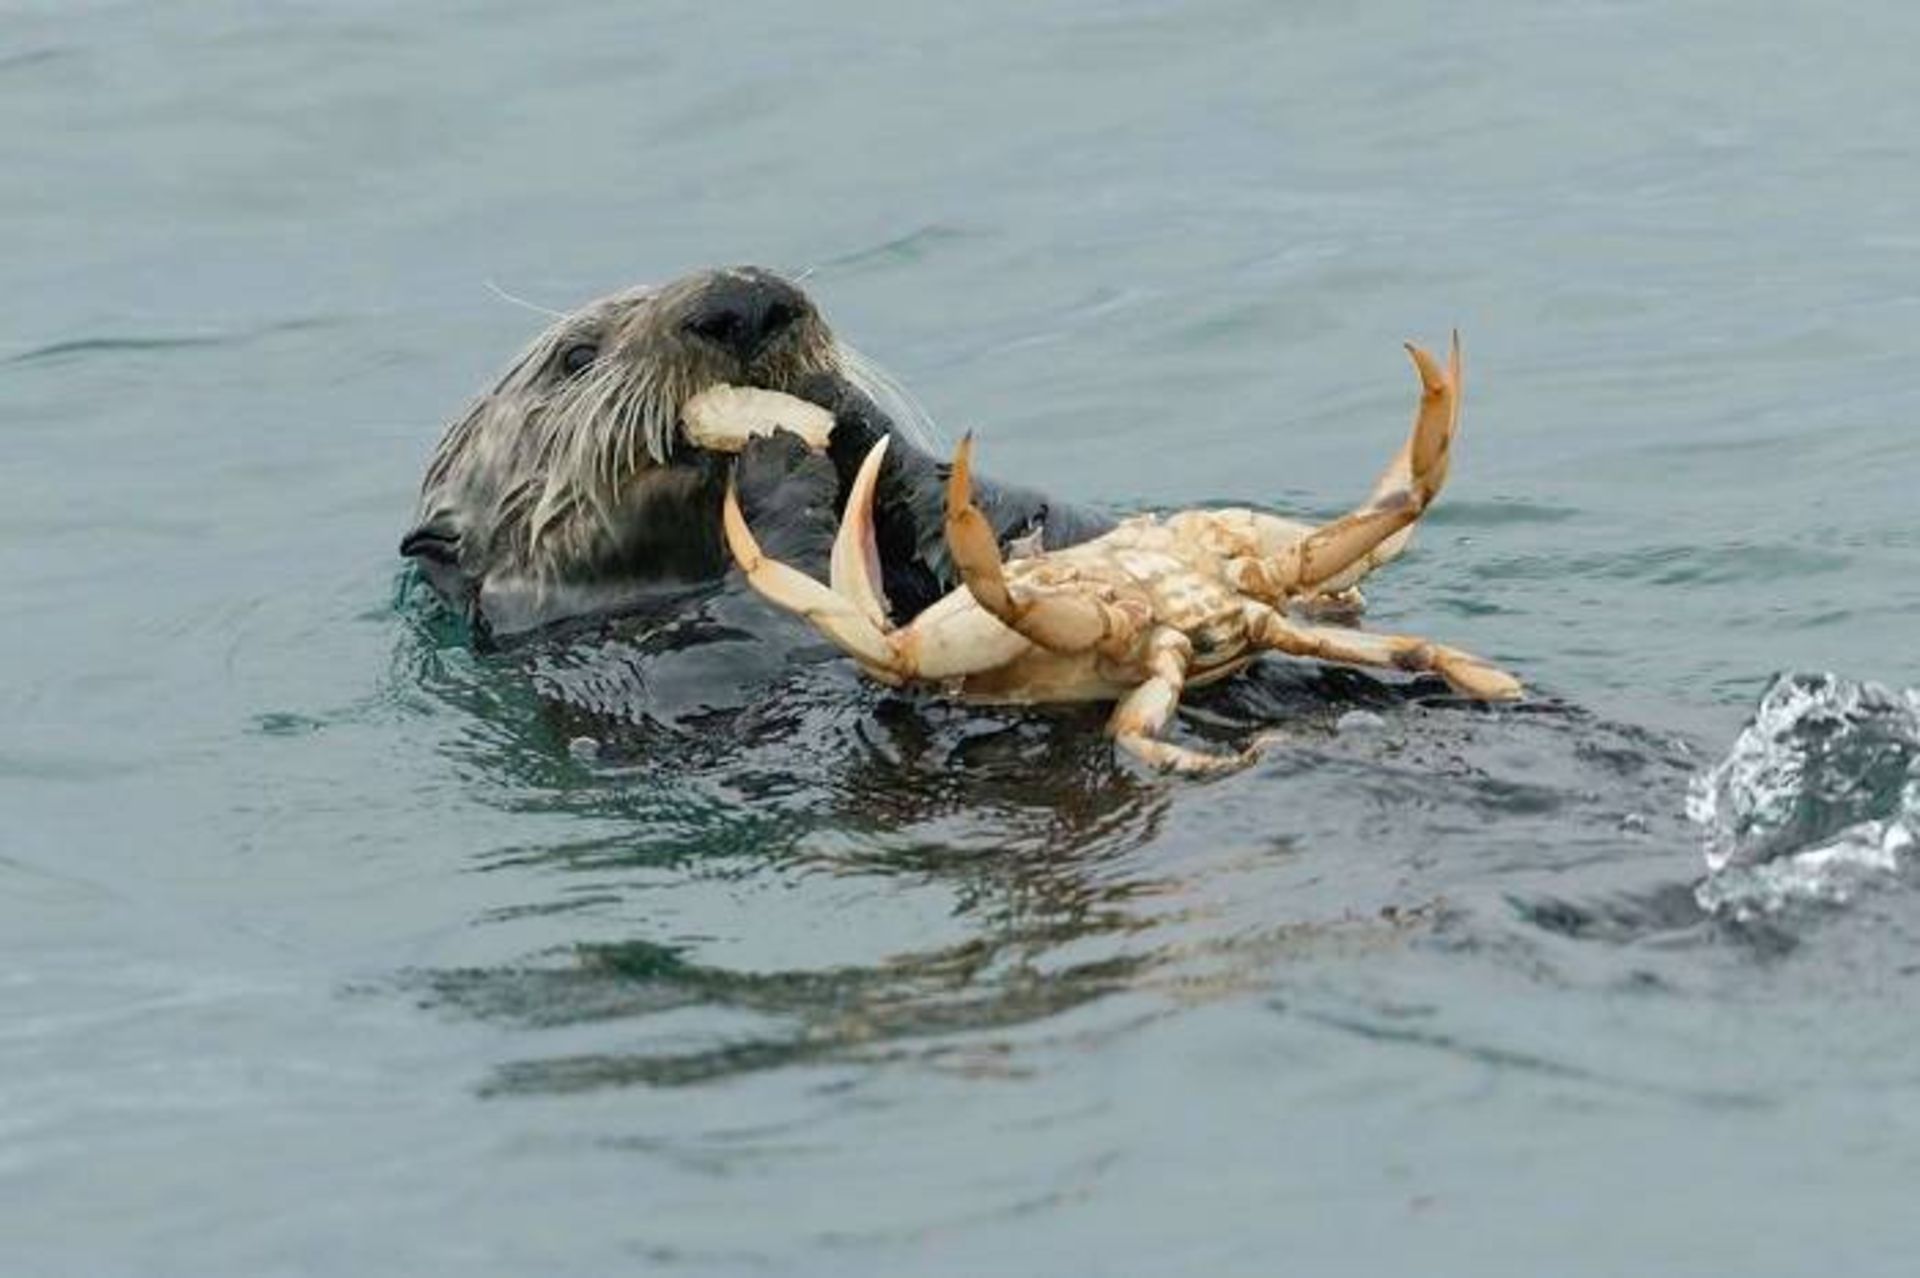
<point>578,356</point>
<point>780,316</point>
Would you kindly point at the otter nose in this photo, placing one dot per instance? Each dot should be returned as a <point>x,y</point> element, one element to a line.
<point>743,313</point>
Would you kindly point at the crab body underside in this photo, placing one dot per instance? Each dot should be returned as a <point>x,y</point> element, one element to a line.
<point>1158,605</point>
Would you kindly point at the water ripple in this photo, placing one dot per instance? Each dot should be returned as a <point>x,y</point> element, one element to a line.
<point>78,348</point>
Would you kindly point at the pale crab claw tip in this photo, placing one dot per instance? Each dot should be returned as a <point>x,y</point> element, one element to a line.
<point>746,551</point>
<point>854,564</point>
<point>960,477</point>
<point>1432,380</point>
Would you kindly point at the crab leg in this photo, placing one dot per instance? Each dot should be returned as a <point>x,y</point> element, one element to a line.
<point>951,638</point>
<point>1337,554</point>
<point>1063,623</point>
<point>1143,714</point>
<point>1467,673</point>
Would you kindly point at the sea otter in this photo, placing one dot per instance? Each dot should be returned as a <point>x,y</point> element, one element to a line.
<point>568,490</point>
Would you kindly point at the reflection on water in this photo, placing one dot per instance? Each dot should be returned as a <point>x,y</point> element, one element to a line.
<point>1024,825</point>
<point>817,772</point>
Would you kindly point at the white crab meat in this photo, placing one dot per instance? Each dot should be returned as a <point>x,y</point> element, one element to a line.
<point>723,418</point>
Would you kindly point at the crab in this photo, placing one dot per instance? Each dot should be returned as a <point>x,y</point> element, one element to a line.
<point>1160,604</point>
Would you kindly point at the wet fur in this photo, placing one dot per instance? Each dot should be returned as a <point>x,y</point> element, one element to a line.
<point>562,494</point>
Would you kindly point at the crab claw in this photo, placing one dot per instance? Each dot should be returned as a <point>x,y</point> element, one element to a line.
<point>1337,554</point>
<point>844,619</point>
<point>1064,620</point>
<point>1426,454</point>
<point>970,539</point>
<point>952,638</point>
<point>854,566</point>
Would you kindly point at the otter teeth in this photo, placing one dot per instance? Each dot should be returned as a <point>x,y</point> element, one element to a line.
<point>723,418</point>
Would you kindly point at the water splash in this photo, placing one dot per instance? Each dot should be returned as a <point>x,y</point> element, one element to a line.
<point>1819,796</point>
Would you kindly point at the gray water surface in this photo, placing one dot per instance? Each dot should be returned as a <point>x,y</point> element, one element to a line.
<point>323,952</point>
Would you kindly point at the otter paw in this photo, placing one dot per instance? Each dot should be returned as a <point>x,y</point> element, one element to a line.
<point>789,493</point>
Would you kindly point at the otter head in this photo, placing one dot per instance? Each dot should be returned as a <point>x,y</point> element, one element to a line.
<point>567,487</point>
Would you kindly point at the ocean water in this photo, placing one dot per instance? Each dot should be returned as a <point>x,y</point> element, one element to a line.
<point>328,946</point>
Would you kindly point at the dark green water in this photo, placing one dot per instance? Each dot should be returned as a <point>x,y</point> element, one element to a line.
<point>321,952</point>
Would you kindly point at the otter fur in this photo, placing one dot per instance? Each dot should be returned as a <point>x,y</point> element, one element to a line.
<point>568,490</point>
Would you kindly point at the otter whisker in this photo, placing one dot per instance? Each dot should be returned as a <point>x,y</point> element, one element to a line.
<point>505,296</point>
<point>628,436</point>
<point>908,415</point>
<point>657,414</point>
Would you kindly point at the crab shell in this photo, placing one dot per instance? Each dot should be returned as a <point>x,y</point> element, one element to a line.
<point>1139,614</point>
